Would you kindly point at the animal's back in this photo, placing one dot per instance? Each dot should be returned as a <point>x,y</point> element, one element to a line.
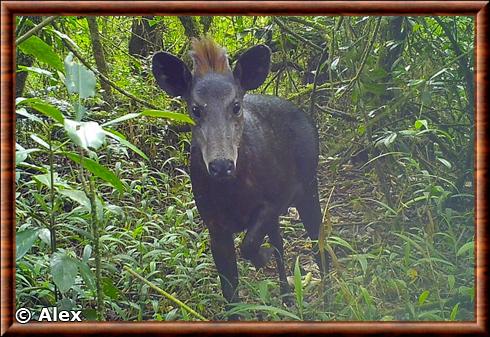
<point>289,133</point>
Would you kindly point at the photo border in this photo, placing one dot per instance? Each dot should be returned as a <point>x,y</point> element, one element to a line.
<point>9,9</point>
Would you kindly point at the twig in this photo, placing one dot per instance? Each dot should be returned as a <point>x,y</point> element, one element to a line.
<point>167,295</point>
<point>336,113</point>
<point>368,49</point>
<point>34,30</point>
<point>297,36</point>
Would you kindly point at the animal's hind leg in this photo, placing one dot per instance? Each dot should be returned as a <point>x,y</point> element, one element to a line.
<point>276,240</point>
<point>311,214</point>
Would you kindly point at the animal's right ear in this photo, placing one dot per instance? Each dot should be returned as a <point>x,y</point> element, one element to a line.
<point>171,73</point>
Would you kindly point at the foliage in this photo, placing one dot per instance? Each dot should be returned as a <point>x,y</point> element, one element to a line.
<point>101,187</point>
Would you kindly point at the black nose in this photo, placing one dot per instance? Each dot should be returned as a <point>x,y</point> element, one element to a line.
<point>221,168</point>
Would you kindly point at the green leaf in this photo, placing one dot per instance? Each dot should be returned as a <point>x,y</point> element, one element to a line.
<point>421,122</point>
<point>467,247</point>
<point>367,297</point>
<point>77,196</point>
<point>64,269</point>
<point>122,118</point>
<point>444,162</point>
<point>298,287</point>
<point>87,252</point>
<point>85,134</point>
<point>24,241</point>
<point>97,169</point>
<point>23,112</point>
<point>451,280</point>
<point>335,240</point>
<point>80,111</point>
<point>42,51</point>
<point>413,83</point>
<point>44,108</point>
<point>454,312</point>
<point>423,297</point>
<point>109,289</point>
<point>374,88</point>
<point>390,139</point>
<point>21,154</point>
<point>35,70</point>
<point>45,236</point>
<point>45,179</point>
<point>87,275</point>
<point>243,307</point>
<point>363,262</point>
<point>126,143</point>
<point>361,129</point>
<point>39,140</point>
<point>167,114</point>
<point>78,78</point>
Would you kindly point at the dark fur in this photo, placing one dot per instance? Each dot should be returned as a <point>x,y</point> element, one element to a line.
<point>275,168</point>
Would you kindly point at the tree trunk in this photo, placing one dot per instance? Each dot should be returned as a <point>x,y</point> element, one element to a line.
<point>191,27</point>
<point>145,39</point>
<point>99,56</point>
<point>23,60</point>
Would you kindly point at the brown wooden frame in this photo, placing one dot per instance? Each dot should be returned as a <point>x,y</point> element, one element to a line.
<point>9,9</point>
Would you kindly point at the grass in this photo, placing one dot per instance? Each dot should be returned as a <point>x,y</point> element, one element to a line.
<point>387,265</point>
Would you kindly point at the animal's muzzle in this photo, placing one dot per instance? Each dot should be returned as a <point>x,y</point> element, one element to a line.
<point>221,168</point>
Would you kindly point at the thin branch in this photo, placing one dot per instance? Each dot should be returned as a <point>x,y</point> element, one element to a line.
<point>295,35</point>
<point>367,51</point>
<point>34,30</point>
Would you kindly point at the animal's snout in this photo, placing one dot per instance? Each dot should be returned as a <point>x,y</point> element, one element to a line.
<point>221,168</point>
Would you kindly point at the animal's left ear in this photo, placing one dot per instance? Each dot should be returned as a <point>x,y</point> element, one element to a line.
<point>252,67</point>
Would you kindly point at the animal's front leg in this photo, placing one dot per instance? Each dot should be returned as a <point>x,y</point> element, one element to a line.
<point>224,257</point>
<point>251,246</point>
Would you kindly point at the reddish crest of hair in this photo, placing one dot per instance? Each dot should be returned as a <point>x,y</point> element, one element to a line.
<point>208,57</point>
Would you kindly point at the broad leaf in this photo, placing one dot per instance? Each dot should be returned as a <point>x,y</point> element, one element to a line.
<point>97,169</point>
<point>23,112</point>
<point>423,296</point>
<point>45,236</point>
<point>78,78</point>
<point>467,247</point>
<point>24,241</point>
<point>85,134</point>
<point>64,269</point>
<point>122,118</point>
<point>39,140</point>
<point>44,108</point>
<point>42,51</point>
<point>78,196</point>
<point>87,252</point>
<point>35,70</point>
<point>126,143</point>
<point>45,179</point>
<point>21,154</point>
<point>167,114</point>
<point>87,275</point>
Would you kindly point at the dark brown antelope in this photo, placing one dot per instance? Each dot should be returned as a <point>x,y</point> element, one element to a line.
<point>252,156</point>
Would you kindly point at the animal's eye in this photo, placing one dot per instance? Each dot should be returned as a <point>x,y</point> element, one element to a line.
<point>196,112</point>
<point>236,108</point>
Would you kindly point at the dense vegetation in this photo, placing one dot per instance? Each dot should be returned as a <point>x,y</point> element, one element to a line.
<point>103,191</point>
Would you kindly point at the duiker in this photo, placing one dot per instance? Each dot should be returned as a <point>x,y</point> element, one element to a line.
<point>252,156</point>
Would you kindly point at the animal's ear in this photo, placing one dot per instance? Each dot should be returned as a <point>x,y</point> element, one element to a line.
<point>171,73</point>
<point>252,67</point>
